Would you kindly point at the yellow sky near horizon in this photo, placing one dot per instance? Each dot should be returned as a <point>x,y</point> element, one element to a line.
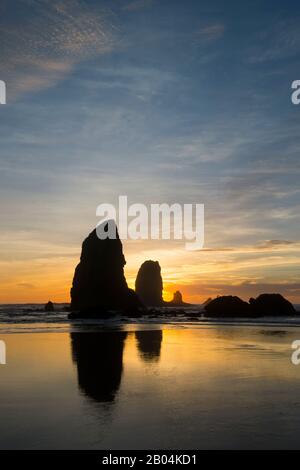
<point>39,273</point>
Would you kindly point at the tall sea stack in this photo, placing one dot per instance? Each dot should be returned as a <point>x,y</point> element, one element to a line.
<point>149,284</point>
<point>99,283</point>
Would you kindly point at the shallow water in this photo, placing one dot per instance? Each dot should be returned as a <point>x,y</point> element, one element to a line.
<point>150,386</point>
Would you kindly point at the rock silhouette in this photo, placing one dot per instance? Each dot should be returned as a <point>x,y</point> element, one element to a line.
<point>263,305</point>
<point>49,307</point>
<point>99,285</point>
<point>149,284</point>
<point>99,360</point>
<point>100,289</point>
<point>207,301</point>
<point>177,300</point>
<point>271,304</point>
<point>227,305</point>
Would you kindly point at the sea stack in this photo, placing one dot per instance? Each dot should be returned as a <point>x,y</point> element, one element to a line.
<point>177,300</point>
<point>99,285</point>
<point>207,301</point>
<point>272,304</point>
<point>264,305</point>
<point>149,284</point>
<point>227,306</point>
<point>49,307</point>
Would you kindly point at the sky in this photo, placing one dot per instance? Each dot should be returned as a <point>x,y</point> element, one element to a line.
<point>163,101</point>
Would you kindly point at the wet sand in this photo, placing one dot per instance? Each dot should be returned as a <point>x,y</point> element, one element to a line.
<point>151,387</point>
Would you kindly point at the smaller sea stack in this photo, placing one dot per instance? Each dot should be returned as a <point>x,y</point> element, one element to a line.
<point>49,307</point>
<point>149,284</point>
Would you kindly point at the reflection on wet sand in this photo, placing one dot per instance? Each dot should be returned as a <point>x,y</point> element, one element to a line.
<point>213,387</point>
<point>99,360</point>
<point>149,344</point>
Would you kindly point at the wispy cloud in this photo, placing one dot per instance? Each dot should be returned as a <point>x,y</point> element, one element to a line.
<point>54,37</point>
<point>26,285</point>
<point>268,245</point>
<point>141,82</point>
<point>210,32</point>
<point>208,146</point>
<point>138,5</point>
<point>279,41</point>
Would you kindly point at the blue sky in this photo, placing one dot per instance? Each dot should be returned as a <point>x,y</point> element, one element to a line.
<point>164,101</point>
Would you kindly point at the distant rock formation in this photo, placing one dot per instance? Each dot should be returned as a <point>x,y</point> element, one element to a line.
<point>149,284</point>
<point>49,307</point>
<point>227,306</point>
<point>263,305</point>
<point>272,304</point>
<point>177,300</point>
<point>207,301</point>
<point>99,284</point>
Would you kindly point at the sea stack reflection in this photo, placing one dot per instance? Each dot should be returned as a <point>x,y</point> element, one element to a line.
<point>149,344</point>
<point>99,360</point>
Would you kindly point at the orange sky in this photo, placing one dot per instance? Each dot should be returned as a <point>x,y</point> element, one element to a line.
<point>245,271</point>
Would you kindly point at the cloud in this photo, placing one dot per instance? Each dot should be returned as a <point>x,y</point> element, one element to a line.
<point>270,244</point>
<point>138,5</point>
<point>209,145</point>
<point>26,285</point>
<point>245,289</point>
<point>279,41</point>
<point>210,32</point>
<point>142,82</point>
<point>267,245</point>
<point>54,37</point>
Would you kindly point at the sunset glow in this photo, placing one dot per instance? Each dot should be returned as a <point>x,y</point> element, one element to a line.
<point>156,103</point>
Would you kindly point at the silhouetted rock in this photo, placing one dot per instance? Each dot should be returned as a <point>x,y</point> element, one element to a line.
<point>149,284</point>
<point>263,305</point>
<point>227,306</point>
<point>99,285</point>
<point>207,301</point>
<point>49,307</point>
<point>271,304</point>
<point>177,300</point>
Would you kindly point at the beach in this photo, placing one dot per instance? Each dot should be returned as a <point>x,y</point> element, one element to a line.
<point>167,385</point>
